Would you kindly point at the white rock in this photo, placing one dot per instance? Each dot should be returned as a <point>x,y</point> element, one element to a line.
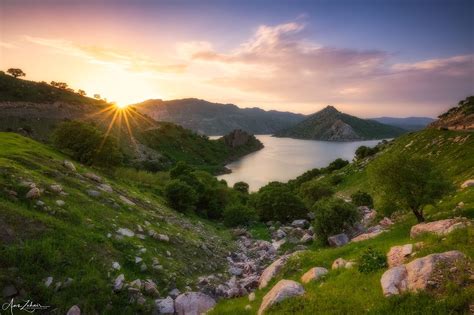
<point>441,227</point>
<point>338,240</point>
<point>193,303</point>
<point>118,283</point>
<point>314,274</point>
<point>116,265</point>
<point>74,310</point>
<point>126,201</point>
<point>93,177</point>
<point>164,306</point>
<point>138,260</point>
<point>284,289</point>
<point>33,193</point>
<point>69,165</point>
<point>48,281</point>
<point>300,223</point>
<point>56,188</point>
<point>125,232</point>
<point>60,203</point>
<point>106,188</point>
<point>252,296</point>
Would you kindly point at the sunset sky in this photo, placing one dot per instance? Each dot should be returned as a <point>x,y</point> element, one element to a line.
<point>368,58</point>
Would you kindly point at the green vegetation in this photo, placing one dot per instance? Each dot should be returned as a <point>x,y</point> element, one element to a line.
<point>180,196</point>
<point>360,198</point>
<point>313,191</point>
<point>239,215</point>
<point>371,260</point>
<point>364,151</point>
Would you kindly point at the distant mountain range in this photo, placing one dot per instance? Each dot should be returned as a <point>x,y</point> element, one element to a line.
<point>408,123</point>
<point>218,119</point>
<point>330,124</point>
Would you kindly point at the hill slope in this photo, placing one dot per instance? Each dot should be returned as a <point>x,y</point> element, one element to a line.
<point>460,117</point>
<point>408,123</point>
<point>217,119</point>
<point>331,125</point>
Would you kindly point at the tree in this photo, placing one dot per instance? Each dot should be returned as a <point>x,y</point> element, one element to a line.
<point>81,92</point>
<point>16,72</point>
<point>180,195</point>
<point>242,187</point>
<point>360,198</point>
<point>97,96</point>
<point>364,151</point>
<point>181,168</point>
<point>59,85</point>
<point>313,191</point>
<point>238,214</point>
<point>333,216</point>
<point>336,164</point>
<point>408,182</point>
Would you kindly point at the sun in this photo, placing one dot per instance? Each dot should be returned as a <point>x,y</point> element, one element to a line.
<point>121,106</point>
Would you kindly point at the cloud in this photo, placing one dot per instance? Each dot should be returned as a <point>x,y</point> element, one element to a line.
<point>96,54</point>
<point>6,45</point>
<point>280,62</point>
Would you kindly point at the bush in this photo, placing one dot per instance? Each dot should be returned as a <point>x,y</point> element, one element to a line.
<point>242,187</point>
<point>361,198</point>
<point>313,191</point>
<point>363,152</point>
<point>238,214</point>
<point>87,144</point>
<point>276,202</point>
<point>336,179</point>
<point>336,165</point>
<point>180,195</point>
<point>371,260</point>
<point>333,216</point>
<point>181,168</point>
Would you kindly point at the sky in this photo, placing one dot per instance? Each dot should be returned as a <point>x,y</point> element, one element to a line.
<point>368,58</point>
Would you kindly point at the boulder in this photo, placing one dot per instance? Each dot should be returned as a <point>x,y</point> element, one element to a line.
<point>106,188</point>
<point>314,274</point>
<point>385,222</point>
<point>193,303</point>
<point>252,297</point>
<point>307,238</point>
<point>150,288</point>
<point>397,255</point>
<point>94,177</point>
<point>468,183</point>
<point>284,289</point>
<point>60,203</point>
<point>441,227</point>
<point>93,193</point>
<point>56,188</point>
<point>125,232</point>
<point>418,274</point>
<point>69,165</point>
<point>118,283</point>
<point>366,236</point>
<point>342,263</point>
<point>338,240</point>
<point>164,306</point>
<point>272,270</point>
<point>74,310</point>
<point>126,201</point>
<point>300,223</point>
<point>33,193</point>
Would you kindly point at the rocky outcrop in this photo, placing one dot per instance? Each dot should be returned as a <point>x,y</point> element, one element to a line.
<point>468,183</point>
<point>193,303</point>
<point>314,274</point>
<point>284,289</point>
<point>398,254</point>
<point>441,227</point>
<point>418,274</point>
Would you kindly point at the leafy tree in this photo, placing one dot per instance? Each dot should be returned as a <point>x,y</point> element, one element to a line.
<point>409,182</point>
<point>333,216</point>
<point>238,214</point>
<point>87,144</point>
<point>242,187</point>
<point>180,195</point>
<point>364,151</point>
<point>59,85</point>
<point>81,92</point>
<point>313,191</point>
<point>181,168</point>
<point>336,179</point>
<point>97,96</point>
<point>16,72</point>
<point>276,201</point>
<point>337,164</point>
<point>360,198</point>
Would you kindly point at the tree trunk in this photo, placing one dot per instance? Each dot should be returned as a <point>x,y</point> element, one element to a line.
<point>419,215</point>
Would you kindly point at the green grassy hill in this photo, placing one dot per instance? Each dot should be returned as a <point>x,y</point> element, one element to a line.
<point>79,240</point>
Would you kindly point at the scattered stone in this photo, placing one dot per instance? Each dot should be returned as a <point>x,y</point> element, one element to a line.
<point>126,201</point>
<point>150,288</point>
<point>279,234</point>
<point>69,165</point>
<point>468,183</point>
<point>366,236</point>
<point>300,223</point>
<point>125,232</point>
<point>106,188</point>
<point>118,283</point>
<point>60,203</point>
<point>138,260</point>
<point>68,282</point>
<point>56,188</point>
<point>307,238</point>
<point>397,255</point>
<point>164,306</point>
<point>74,310</point>
<point>174,293</point>
<point>441,227</point>
<point>9,291</point>
<point>162,237</point>
<point>93,177</point>
<point>277,244</point>
<point>40,203</point>
<point>284,289</point>
<point>248,307</point>
<point>314,274</point>
<point>143,267</point>
<point>93,193</point>
<point>137,284</point>
<point>385,222</point>
<point>338,240</point>
<point>33,193</point>
<point>342,263</point>
<point>272,270</point>
<point>116,265</point>
<point>193,303</point>
<point>252,296</point>
<point>48,281</point>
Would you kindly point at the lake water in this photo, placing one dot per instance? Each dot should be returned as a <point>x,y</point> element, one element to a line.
<point>283,159</point>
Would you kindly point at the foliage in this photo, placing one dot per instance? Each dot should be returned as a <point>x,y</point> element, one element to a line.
<point>238,215</point>
<point>361,198</point>
<point>59,85</point>
<point>336,179</point>
<point>364,151</point>
<point>87,144</point>
<point>333,216</point>
<point>180,195</point>
<point>16,72</point>
<point>313,191</point>
<point>337,164</point>
<point>409,182</point>
<point>242,187</point>
<point>181,168</point>
<point>371,260</point>
<point>81,92</point>
<point>277,202</point>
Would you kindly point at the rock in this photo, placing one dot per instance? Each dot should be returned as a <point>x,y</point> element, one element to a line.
<point>93,177</point>
<point>193,303</point>
<point>341,263</point>
<point>314,274</point>
<point>69,165</point>
<point>93,193</point>
<point>174,293</point>
<point>468,183</point>
<point>235,271</point>
<point>150,288</point>
<point>284,289</point>
<point>277,244</point>
<point>106,188</point>
<point>9,291</point>
<point>418,274</point>
<point>48,281</point>
<point>55,188</point>
<point>279,234</point>
<point>60,203</point>
<point>272,270</point>
<point>338,240</point>
<point>126,201</point>
<point>397,255</point>
<point>248,307</point>
<point>252,296</point>
<point>138,260</point>
<point>162,237</point>
<point>126,232</point>
<point>164,306</point>
<point>441,227</point>
<point>116,265</point>
<point>137,284</point>
<point>307,238</point>
<point>366,236</point>
<point>74,310</point>
<point>385,222</point>
<point>33,193</point>
<point>300,223</point>
<point>118,283</point>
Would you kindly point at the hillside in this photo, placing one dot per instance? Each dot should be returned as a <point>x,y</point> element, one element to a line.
<point>217,119</point>
<point>331,125</point>
<point>408,123</point>
<point>35,109</point>
<point>460,117</point>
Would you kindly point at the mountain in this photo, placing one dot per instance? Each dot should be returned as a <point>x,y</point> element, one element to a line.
<point>331,125</point>
<point>460,117</point>
<point>35,109</point>
<point>408,123</point>
<point>217,119</point>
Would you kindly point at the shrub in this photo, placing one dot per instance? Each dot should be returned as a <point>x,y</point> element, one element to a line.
<point>277,202</point>
<point>238,214</point>
<point>333,216</point>
<point>336,179</point>
<point>361,198</point>
<point>180,195</point>
<point>371,260</point>
<point>242,187</point>
<point>87,144</point>
<point>313,191</point>
<point>181,168</point>
<point>363,152</point>
<point>336,165</point>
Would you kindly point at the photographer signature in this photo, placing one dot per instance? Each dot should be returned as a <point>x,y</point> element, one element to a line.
<point>27,306</point>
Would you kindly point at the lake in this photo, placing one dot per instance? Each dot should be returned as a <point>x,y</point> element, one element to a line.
<point>283,159</point>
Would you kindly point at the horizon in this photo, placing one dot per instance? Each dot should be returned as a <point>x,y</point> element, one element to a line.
<point>394,59</point>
